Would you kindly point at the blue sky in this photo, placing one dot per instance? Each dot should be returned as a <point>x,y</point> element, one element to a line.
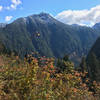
<point>12,9</point>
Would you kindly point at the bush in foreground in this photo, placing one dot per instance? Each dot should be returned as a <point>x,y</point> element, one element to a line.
<point>30,81</point>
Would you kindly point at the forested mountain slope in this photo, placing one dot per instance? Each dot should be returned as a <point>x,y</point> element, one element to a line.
<point>47,36</point>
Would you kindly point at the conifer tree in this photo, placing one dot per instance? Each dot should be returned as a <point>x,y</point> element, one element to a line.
<point>65,64</point>
<point>93,67</point>
<point>83,65</point>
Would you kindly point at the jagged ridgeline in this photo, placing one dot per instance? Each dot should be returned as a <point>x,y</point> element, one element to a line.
<point>47,36</point>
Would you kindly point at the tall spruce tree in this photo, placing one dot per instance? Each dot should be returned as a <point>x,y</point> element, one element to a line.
<point>83,65</point>
<point>93,67</point>
<point>65,64</point>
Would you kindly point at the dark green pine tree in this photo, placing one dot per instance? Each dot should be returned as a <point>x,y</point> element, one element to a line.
<point>66,58</point>
<point>93,67</point>
<point>83,65</point>
<point>65,64</point>
<point>2,48</point>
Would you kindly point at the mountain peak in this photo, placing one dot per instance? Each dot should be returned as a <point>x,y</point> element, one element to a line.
<point>43,17</point>
<point>44,14</point>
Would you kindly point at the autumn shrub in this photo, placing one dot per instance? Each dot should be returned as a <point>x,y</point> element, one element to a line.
<point>30,81</point>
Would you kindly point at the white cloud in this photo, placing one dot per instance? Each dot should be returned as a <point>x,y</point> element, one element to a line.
<point>8,18</point>
<point>8,8</point>
<point>1,7</point>
<point>81,17</point>
<point>14,4</point>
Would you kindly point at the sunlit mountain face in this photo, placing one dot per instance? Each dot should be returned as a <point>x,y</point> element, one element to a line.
<point>44,34</point>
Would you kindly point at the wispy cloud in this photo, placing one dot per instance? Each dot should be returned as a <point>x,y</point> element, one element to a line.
<point>1,8</point>
<point>14,4</point>
<point>8,18</point>
<point>81,17</point>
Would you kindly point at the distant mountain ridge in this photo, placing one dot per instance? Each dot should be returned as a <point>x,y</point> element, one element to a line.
<point>96,26</point>
<point>2,25</point>
<point>47,36</point>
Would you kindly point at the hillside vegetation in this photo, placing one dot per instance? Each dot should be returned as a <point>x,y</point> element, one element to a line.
<point>39,79</point>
